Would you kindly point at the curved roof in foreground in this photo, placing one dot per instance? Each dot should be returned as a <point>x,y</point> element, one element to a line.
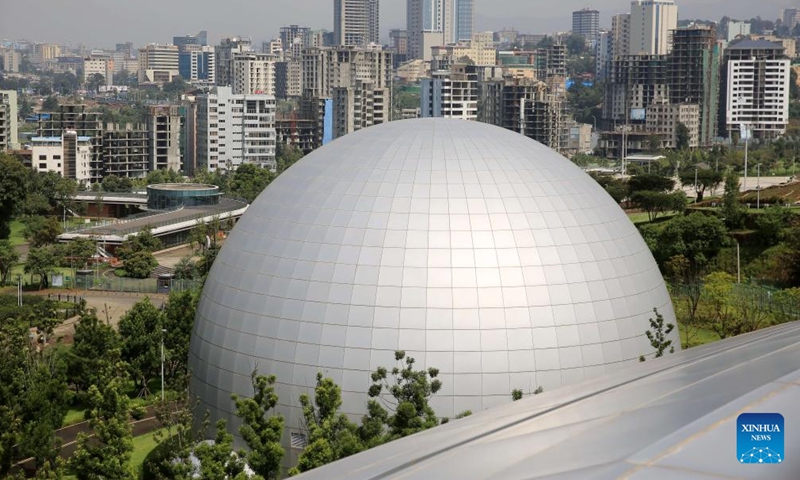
<point>664,419</point>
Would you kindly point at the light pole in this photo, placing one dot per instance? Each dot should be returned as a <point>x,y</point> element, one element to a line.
<point>696,195</point>
<point>163,330</point>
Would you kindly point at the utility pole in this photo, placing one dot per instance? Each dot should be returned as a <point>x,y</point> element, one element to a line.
<point>163,330</point>
<point>746,132</point>
<point>696,195</point>
<point>758,187</point>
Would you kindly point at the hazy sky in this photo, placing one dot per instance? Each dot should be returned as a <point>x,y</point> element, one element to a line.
<point>102,23</point>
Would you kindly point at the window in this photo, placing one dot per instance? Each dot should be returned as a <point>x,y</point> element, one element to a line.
<point>56,157</point>
<point>42,166</point>
<point>42,157</point>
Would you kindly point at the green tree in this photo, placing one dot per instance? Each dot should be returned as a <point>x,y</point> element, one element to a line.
<point>698,238</point>
<point>50,104</point>
<point>733,211</point>
<point>13,191</point>
<point>107,454</point>
<point>718,295</point>
<point>331,435</point>
<point>217,460</point>
<point>115,184</point>
<point>659,203</point>
<point>42,262</point>
<point>94,82</point>
<point>658,334</point>
<point>140,264</point>
<point>178,320</point>
<point>707,179</point>
<point>175,87</point>
<point>772,224</point>
<point>682,136</point>
<point>140,331</point>
<point>650,183</point>
<point>287,155</point>
<point>576,44</point>
<point>408,409</point>
<point>186,269</point>
<point>96,350</point>
<point>8,258</point>
<point>41,231</point>
<point>249,181</point>
<point>654,143</point>
<point>260,430</point>
<point>81,251</point>
<point>143,241</point>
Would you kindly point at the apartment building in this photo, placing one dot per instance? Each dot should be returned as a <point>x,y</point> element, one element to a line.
<point>77,118</point>
<point>358,106</point>
<point>663,118</point>
<point>164,133</point>
<point>8,120</point>
<point>356,22</point>
<point>99,65</point>
<point>224,53</point>
<point>126,150</point>
<point>451,94</point>
<point>253,73</point>
<point>233,130</point>
<point>69,155</point>
<point>651,24</point>
<point>756,88</point>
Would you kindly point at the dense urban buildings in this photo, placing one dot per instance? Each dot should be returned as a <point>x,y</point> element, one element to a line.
<point>158,63</point>
<point>356,22</point>
<point>224,52</point>
<point>586,23</point>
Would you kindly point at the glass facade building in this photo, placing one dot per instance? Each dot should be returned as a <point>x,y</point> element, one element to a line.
<point>168,196</point>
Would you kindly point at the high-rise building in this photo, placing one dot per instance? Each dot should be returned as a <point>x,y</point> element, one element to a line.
<point>398,42</point>
<point>233,130</point>
<point>463,20</point>
<point>451,94</point>
<point>164,132</point>
<point>289,78</point>
<point>604,52</point>
<point>200,39</point>
<point>756,88</point>
<point>253,73</point>
<point>99,65</point>
<point>634,83</point>
<point>224,57</point>
<point>791,17</point>
<point>43,52</point>
<point>125,48</point>
<point>693,76</point>
<point>356,22</point>
<point>8,120</point>
<point>620,34</point>
<point>197,64</point>
<point>652,21</point>
<point>294,39</point>
<point>158,63</point>
<point>586,23</point>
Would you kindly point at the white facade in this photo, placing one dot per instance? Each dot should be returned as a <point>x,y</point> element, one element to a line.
<point>235,129</point>
<point>758,95</point>
<point>11,60</point>
<point>356,22</point>
<point>737,29</point>
<point>68,155</point>
<point>158,63</point>
<point>652,22</point>
<point>327,68</point>
<point>452,94</point>
<point>254,73</point>
<point>99,66</point>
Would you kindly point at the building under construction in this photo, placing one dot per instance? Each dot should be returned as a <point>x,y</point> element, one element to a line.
<point>84,123</point>
<point>693,75</point>
<point>126,151</point>
<point>524,106</point>
<point>635,82</point>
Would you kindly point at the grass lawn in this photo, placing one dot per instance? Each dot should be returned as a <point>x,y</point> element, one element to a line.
<point>142,446</point>
<point>641,217</point>
<point>16,233</point>
<point>74,415</point>
<point>699,337</point>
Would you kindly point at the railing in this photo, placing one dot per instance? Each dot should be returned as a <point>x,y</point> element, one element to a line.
<point>134,285</point>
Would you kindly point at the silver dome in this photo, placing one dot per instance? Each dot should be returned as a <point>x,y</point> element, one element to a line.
<point>474,249</point>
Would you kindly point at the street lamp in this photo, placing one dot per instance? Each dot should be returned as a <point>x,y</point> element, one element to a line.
<point>696,195</point>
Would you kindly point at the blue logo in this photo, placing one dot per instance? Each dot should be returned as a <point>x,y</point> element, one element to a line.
<point>759,438</point>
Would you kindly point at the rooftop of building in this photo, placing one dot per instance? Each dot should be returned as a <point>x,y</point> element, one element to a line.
<point>182,186</point>
<point>748,44</point>
<point>57,139</point>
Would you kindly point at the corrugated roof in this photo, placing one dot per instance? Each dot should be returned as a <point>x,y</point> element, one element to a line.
<point>669,418</point>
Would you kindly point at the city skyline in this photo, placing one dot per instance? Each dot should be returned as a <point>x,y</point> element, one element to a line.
<point>55,21</point>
